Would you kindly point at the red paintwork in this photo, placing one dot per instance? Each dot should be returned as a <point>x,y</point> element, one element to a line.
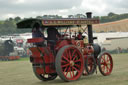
<point>44,57</point>
<point>70,65</point>
<point>63,43</point>
<point>5,58</point>
<point>49,57</point>
<point>35,40</point>
<point>19,41</point>
<point>106,64</point>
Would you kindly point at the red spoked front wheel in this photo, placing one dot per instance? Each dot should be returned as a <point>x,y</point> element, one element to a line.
<point>69,63</point>
<point>105,63</point>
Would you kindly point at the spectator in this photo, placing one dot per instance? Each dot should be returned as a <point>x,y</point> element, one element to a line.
<point>36,32</point>
<point>53,36</point>
<point>79,36</point>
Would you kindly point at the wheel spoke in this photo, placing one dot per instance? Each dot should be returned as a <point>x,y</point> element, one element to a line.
<point>77,60</point>
<point>102,63</point>
<point>76,69</point>
<point>106,64</point>
<point>101,60</point>
<point>73,52</point>
<point>65,65</point>
<point>74,57</point>
<point>77,65</point>
<point>70,55</point>
<point>90,63</point>
<point>103,67</point>
<point>69,63</point>
<point>66,58</point>
<point>107,68</point>
<point>63,61</point>
<point>67,71</point>
<point>70,73</point>
<point>103,57</point>
<point>107,58</point>
<point>110,64</point>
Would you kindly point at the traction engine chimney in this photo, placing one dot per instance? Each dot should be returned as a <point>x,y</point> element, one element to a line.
<point>90,32</point>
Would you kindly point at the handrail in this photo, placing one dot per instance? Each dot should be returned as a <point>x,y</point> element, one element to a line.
<point>35,40</point>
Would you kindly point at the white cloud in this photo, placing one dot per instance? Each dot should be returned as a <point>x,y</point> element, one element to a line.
<point>97,6</point>
<point>10,15</point>
<point>63,10</point>
<point>19,1</point>
<point>33,8</point>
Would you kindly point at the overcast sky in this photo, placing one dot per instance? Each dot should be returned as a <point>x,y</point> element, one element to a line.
<point>33,8</point>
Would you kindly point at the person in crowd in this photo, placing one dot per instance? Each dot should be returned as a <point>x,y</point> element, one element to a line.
<point>53,34</point>
<point>37,32</point>
<point>53,37</point>
<point>79,36</point>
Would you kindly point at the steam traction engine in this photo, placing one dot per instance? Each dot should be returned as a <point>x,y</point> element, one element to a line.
<point>68,57</point>
<point>7,51</point>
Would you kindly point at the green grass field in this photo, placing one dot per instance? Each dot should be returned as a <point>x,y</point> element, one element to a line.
<point>20,73</point>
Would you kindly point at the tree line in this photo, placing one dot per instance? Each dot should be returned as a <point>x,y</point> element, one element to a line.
<point>8,26</point>
<point>112,17</point>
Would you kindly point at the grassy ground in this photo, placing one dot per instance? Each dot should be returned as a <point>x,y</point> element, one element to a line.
<point>20,73</point>
<point>23,59</point>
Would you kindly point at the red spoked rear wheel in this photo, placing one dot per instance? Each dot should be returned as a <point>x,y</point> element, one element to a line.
<point>44,77</point>
<point>69,63</point>
<point>105,63</point>
<point>90,65</point>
